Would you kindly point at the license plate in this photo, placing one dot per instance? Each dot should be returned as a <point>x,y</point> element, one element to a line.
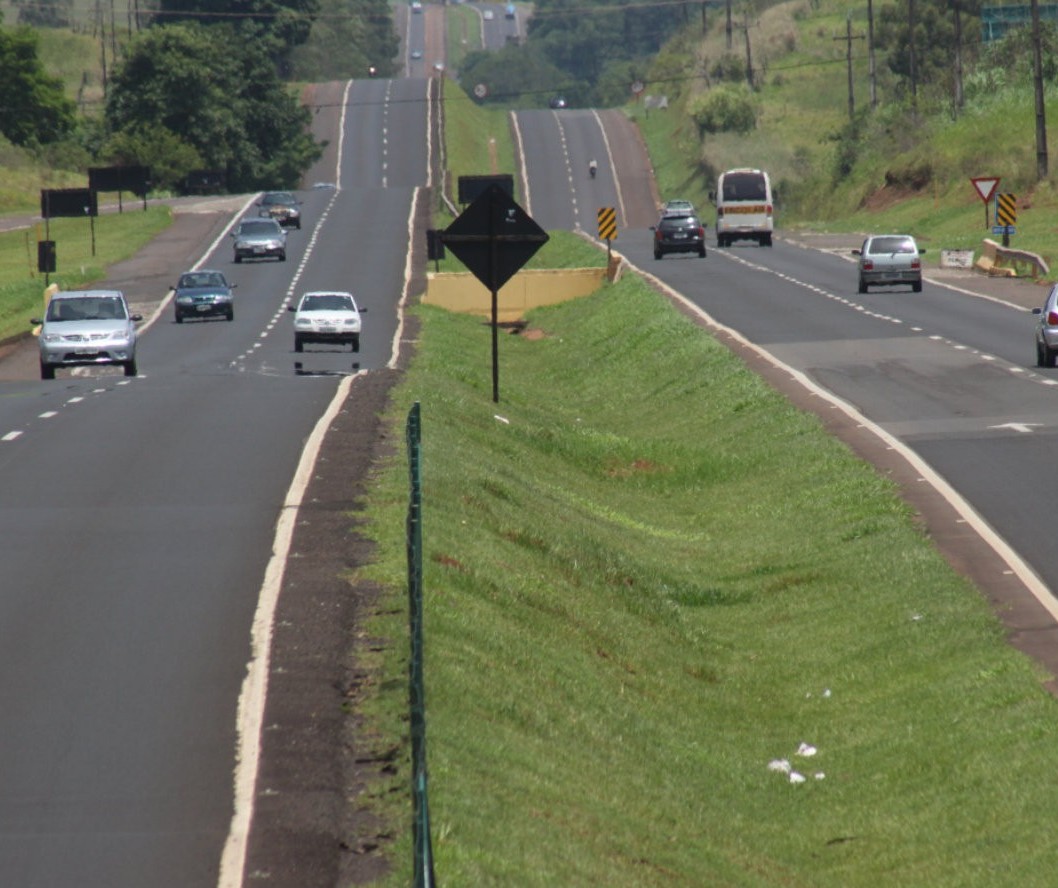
<point>203,307</point>
<point>328,329</point>
<point>679,235</point>
<point>258,249</point>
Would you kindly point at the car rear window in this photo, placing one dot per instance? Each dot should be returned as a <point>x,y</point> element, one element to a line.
<point>680,222</point>
<point>744,186</point>
<point>890,245</point>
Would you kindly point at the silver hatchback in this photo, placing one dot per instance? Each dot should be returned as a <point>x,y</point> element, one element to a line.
<point>87,327</point>
<point>889,259</point>
<point>1047,330</point>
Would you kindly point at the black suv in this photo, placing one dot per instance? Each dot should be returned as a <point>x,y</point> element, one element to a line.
<point>678,234</point>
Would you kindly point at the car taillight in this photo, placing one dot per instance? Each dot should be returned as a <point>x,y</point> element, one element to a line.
<point>915,263</point>
<point>1052,319</point>
<point>767,209</point>
<point>868,265</point>
<point>719,211</point>
<point>657,234</point>
<point>701,232</point>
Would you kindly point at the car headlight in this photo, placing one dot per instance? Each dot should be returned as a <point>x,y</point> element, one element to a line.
<point>184,300</point>
<point>51,337</point>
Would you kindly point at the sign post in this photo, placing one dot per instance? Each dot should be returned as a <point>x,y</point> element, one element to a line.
<point>494,238</point>
<point>607,217</point>
<point>986,187</point>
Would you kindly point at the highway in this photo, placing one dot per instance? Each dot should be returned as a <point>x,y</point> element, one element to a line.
<point>137,518</point>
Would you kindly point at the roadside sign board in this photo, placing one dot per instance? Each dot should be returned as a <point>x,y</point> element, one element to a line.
<point>986,186</point>
<point>1006,209</point>
<point>494,237</point>
<point>1004,229</point>
<point>607,223</point>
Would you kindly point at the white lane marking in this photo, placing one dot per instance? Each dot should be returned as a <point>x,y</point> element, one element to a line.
<point>1023,427</point>
<point>10,436</point>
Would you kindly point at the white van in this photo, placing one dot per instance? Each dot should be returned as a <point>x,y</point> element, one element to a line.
<point>744,208</point>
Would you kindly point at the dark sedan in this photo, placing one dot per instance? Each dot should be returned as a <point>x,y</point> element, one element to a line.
<point>203,294</point>
<point>678,233</point>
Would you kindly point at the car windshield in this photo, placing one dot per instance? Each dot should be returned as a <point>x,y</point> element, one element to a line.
<point>265,226</point>
<point>278,197</point>
<point>101,308</point>
<point>327,302</point>
<point>202,279</point>
<point>890,245</point>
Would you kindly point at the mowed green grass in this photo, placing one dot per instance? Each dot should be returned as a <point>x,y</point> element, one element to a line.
<point>648,576</point>
<point>117,236</point>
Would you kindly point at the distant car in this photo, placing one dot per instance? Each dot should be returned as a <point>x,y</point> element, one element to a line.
<point>488,15</point>
<point>327,316</point>
<point>87,327</point>
<point>679,234</point>
<point>260,239</point>
<point>677,208</point>
<point>203,294</point>
<point>416,6</point>
<point>886,259</point>
<point>282,206</point>
<point>509,11</point>
<point>416,53</point>
<point>557,102</point>
<point>439,67</point>
<point>1047,330</point>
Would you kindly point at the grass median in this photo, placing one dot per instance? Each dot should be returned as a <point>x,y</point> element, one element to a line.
<point>82,258</point>
<point>649,580</point>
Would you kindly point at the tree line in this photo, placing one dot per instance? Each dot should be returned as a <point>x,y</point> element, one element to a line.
<point>195,85</point>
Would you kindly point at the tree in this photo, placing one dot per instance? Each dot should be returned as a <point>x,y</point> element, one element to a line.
<point>284,23</point>
<point>222,98</point>
<point>35,109</point>
<point>347,37</point>
<point>45,13</point>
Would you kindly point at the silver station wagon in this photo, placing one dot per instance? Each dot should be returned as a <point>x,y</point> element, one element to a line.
<point>87,327</point>
<point>889,259</point>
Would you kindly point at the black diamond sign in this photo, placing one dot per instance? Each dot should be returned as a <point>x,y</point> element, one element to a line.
<point>494,237</point>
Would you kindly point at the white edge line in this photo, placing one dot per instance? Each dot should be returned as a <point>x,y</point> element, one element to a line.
<point>981,527</point>
<point>405,291</point>
<point>609,157</point>
<point>255,685</point>
<point>519,152</point>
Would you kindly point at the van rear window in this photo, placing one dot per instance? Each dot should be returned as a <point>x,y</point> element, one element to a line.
<point>744,186</point>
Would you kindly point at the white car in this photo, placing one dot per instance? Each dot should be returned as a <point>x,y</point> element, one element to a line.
<point>886,259</point>
<point>488,15</point>
<point>327,316</point>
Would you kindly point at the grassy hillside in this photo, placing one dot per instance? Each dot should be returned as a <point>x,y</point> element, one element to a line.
<point>910,172</point>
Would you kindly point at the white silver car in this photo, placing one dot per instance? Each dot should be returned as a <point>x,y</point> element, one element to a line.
<point>1047,330</point>
<point>327,316</point>
<point>260,239</point>
<point>87,327</point>
<point>889,259</point>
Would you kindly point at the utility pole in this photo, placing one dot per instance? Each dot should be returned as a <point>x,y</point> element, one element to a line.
<point>848,38</point>
<point>911,54</point>
<point>959,99</point>
<point>871,71</point>
<point>1037,79</point>
<point>728,26</point>
<point>749,57</point>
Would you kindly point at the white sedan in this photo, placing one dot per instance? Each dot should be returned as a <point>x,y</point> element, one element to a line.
<point>326,316</point>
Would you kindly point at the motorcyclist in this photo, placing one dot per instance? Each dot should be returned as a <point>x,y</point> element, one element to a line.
<point>593,167</point>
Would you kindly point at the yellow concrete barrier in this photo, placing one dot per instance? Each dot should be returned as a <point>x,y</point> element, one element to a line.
<point>528,289</point>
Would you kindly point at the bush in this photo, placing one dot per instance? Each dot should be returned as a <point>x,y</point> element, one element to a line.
<point>725,109</point>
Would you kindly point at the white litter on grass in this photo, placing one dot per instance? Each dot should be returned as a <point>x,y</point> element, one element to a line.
<point>502,419</point>
<point>779,765</point>
<point>796,778</point>
<point>806,749</point>
<point>825,695</point>
<point>916,617</point>
<point>819,775</point>
<point>826,692</point>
